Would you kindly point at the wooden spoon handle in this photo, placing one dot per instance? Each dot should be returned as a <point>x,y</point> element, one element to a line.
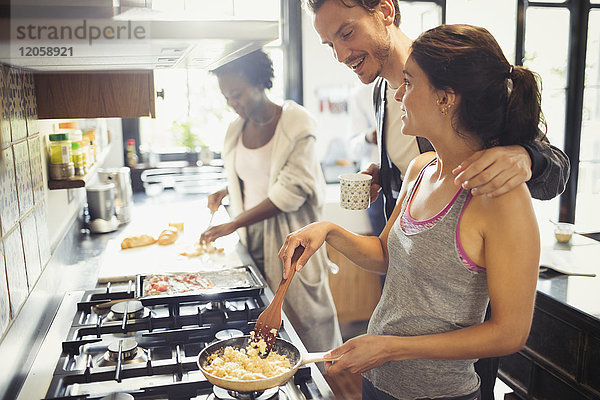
<point>285,282</point>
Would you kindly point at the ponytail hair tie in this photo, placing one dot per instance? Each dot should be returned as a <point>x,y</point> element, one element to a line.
<point>510,71</point>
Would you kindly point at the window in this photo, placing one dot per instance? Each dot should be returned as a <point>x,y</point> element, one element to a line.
<point>417,17</point>
<point>193,95</point>
<point>569,66</point>
<point>588,185</point>
<point>549,59</point>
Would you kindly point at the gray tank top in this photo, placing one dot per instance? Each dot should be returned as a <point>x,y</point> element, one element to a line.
<point>428,290</point>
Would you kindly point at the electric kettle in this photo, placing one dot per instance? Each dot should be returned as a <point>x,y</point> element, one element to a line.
<point>121,178</point>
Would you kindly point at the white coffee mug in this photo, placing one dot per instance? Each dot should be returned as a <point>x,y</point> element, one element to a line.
<point>355,191</point>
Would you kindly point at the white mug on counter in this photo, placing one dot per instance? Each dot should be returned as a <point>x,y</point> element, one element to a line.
<point>355,191</point>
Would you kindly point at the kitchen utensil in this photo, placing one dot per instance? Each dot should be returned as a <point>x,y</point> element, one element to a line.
<point>210,221</point>
<point>101,206</point>
<point>283,347</point>
<point>269,321</point>
<point>101,200</point>
<point>121,178</point>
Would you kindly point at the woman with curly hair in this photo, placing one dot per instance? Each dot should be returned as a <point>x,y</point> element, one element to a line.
<point>275,186</point>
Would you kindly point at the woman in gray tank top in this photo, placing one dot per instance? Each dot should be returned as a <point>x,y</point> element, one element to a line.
<point>446,253</point>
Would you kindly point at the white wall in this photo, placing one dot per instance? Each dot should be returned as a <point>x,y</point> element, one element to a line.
<point>115,157</point>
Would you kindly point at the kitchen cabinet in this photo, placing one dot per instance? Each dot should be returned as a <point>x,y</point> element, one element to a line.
<point>561,359</point>
<point>122,94</point>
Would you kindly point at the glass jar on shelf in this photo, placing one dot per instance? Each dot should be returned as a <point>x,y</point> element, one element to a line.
<point>60,167</point>
<point>132,158</point>
<point>78,159</point>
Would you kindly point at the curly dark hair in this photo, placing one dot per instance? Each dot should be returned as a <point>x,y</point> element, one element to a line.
<point>467,60</point>
<point>369,5</point>
<point>257,67</point>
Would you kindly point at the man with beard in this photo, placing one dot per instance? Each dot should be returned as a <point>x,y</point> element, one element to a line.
<point>365,35</point>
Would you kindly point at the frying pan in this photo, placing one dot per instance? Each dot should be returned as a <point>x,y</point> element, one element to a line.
<point>281,346</point>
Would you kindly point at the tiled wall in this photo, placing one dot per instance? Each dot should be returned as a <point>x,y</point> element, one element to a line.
<point>24,244</point>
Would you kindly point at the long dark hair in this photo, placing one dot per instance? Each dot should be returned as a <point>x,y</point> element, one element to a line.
<point>257,67</point>
<point>500,103</point>
<point>369,5</point>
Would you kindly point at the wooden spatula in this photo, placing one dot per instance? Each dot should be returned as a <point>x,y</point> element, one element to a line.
<point>269,321</point>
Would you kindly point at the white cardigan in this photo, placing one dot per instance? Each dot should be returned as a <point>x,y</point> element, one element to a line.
<point>297,188</point>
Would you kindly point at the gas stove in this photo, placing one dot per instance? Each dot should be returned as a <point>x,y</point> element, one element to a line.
<point>121,346</point>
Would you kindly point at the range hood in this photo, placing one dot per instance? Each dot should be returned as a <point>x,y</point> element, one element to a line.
<point>68,37</point>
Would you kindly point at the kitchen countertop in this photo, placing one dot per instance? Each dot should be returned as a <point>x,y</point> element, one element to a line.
<point>581,293</point>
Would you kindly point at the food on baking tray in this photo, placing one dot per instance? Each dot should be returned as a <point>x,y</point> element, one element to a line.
<point>168,236</point>
<point>137,241</point>
<point>185,282</point>
<point>176,283</point>
<point>247,364</point>
<point>178,225</point>
<point>201,248</point>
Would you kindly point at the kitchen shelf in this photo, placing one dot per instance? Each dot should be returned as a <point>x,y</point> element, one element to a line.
<point>78,181</point>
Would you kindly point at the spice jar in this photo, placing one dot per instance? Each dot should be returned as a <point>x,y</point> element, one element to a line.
<point>60,148</point>
<point>78,159</point>
<point>61,166</point>
<point>132,158</point>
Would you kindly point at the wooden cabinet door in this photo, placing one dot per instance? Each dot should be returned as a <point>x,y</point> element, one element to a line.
<point>125,94</point>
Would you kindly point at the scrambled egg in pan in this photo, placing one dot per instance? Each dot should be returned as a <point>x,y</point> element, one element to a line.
<point>246,364</point>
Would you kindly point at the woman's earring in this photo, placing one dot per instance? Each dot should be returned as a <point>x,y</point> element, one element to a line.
<point>443,109</point>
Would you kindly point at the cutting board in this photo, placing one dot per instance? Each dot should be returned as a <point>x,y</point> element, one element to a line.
<point>120,265</point>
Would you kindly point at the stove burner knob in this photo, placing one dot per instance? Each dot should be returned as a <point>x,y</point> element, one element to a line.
<point>228,333</point>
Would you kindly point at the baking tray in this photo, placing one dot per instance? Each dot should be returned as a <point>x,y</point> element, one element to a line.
<point>229,283</point>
